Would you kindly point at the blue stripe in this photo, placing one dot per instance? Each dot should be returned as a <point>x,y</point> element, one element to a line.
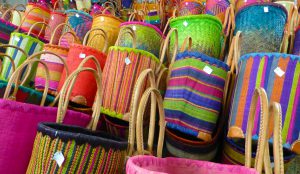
<point>14,56</point>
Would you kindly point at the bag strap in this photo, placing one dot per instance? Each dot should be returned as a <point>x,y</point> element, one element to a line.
<point>56,29</point>
<point>15,47</point>
<point>140,83</point>
<point>189,40</point>
<point>72,33</point>
<point>66,92</point>
<point>35,24</point>
<point>25,16</point>
<point>112,11</point>
<point>131,32</point>
<point>103,34</point>
<point>234,52</point>
<point>11,16</point>
<point>11,61</point>
<point>166,44</point>
<point>16,76</point>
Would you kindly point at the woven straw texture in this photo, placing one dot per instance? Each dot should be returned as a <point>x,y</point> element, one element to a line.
<point>205,31</point>
<point>217,8</point>
<point>28,43</point>
<point>38,14</point>
<point>19,130</point>
<point>55,66</point>
<point>153,165</point>
<point>82,93</point>
<point>193,99</point>
<point>56,18</point>
<point>84,151</point>
<point>279,75</point>
<point>110,24</point>
<point>191,7</point>
<point>241,3</point>
<point>262,26</point>
<point>117,127</point>
<point>80,21</point>
<point>119,78</point>
<point>148,37</point>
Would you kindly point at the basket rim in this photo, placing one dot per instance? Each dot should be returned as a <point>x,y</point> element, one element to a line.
<point>263,4</point>
<point>39,6</point>
<point>107,15</point>
<point>58,13</point>
<point>57,46</point>
<point>81,135</point>
<point>200,16</point>
<point>143,24</point>
<point>282,55</point>
<point>80,12</point>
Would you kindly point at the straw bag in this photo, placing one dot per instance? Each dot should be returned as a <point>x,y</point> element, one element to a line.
<point>79,55</point>
<point>190,7</point>
<point>35,13</point>
<point>19,121</point>
<point>110,24</point>
<point>148,37</point>
<point>55,65</point>
<point>206,31</point>
<point>217,8</point>
<point>262,26</point>
<point>80,21</point>
<point>56,18</point>
<point>123,67</point>
<point>102,153</point>
<point>279,75</point>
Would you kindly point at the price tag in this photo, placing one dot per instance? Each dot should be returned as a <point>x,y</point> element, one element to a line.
<point>82,55</point>
<point>279,71</point>
<point>185,23</point>
<point>52,17</point>
<point>127,61</point>
<point>266,9</point>
<point>17,39</point>
<point>77,15</point>
<point>134,27</point>
<point>102,18</point>
<point>59,158</point>
<point>207,69</point>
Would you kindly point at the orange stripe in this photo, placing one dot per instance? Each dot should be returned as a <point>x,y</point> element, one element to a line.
<point>243,97</point>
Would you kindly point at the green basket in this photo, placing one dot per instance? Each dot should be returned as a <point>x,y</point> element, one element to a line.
<point>205,30</point>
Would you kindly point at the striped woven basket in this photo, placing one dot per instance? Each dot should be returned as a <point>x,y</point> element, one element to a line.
<point>194,95</point>
<point>262,26</point>
<point>279,74</point>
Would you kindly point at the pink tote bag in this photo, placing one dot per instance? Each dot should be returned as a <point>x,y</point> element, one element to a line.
<point>18,129</point>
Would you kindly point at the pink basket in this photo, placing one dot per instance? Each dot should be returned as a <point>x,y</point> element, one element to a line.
<point>153,165</point>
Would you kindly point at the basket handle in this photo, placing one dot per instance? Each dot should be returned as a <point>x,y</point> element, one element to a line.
<point>139,124</point>
<point>11,61</point>
<point>112,11</point>
<point>103,34</point>
<point>183,46</point>
<point>135,14</point>
<point>234,52</point>
<point>292,33</point>
<point>15,47</point>
<point>134,105</point>
<point>131,32</point>
<point>75,38</point>
<point>66,92</point>
<point>16,76</point>
<point>25,16</point>
<point>38,23</point>
<point>10,10</point>
<point>166,44</point>
<point>259,160</point>
<point>19,5</point>
<point>56,29</point>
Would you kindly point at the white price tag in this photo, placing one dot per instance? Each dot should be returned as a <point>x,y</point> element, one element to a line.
<point>77,15</point>
<point>17,39</point>
<point>207,69</point>
<point>82,55</point>
<point>185,23</point>
<point>127,61</point>
<point>102,18</point>
<point>279,71</point>
<point>52,18</point>
<point>134,27</point>
<point>266,9</point>
<point>59,158</point>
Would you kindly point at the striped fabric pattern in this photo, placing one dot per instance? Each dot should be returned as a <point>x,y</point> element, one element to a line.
<point>55,67</point>
<point>87,153</point>
<point>279,75</point>
<point>194,96</point>
<point>121,71</point>
<point>28,43</point>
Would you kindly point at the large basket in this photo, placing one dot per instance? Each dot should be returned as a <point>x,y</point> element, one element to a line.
<point>262,26</point>
<point>194,95</point>
<point>279,74</point>
<point>205,30</point>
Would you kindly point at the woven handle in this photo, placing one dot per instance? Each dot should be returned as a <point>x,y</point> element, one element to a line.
<point>35,24</point>
<point>15,47</point>
<point>56,29</point>
<point>131,32</point>
<point>134,105</point>
<point>25,16</point>
<point>135,15</point>
<point>228,24</point>
<point>139,124</point>
<point>189,40</point>
<point>112,11</point>
<point>16,76</point>
<point>66,92</point>
<point>234,52</point>
<point>259,160</point>
<point>75,38</point>
<point>11,16</point>
<point>165,45</point>
<point>103,34</point>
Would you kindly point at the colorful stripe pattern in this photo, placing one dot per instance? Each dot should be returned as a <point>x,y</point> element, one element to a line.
<point>55,67</point>
<point>29,44</point>
<point>193,99</point>
<point>6,28</point>
<point>84,151</point>
<point>56,18</point>
<point>39,14</point>
<point>80,21</point>
<point>263,70</point>
<point>262,26</point>
<point>217,8</point>
<point>120,74</point>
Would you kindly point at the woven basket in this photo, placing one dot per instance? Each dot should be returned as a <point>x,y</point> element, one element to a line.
<point>56,18</point>
<point>194,95</point>
<point>148,37</point>
<point>35,13</point>
<point>205,30</point>
<point>262,26</point>
<point>110,24</point>
<point>191,7</point>
<point>279,75</point>
<point>80,21</point>
<point>217,8</point>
